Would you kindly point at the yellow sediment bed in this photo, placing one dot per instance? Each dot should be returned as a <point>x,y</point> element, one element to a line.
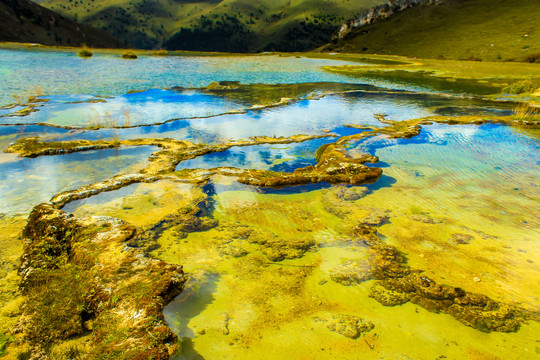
<point>270,306</point>
<point>10,297</point>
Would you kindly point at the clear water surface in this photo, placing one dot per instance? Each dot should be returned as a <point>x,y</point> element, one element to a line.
<point>477,182</point>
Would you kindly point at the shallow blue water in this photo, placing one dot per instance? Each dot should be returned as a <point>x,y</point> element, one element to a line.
<point>26,72</point>
<point>140,108</point>
<point>455,147</point>
<point>308,117</point>
<point>447,162</point>
<point>486,159</point>
<point>277,157</point>
<point>25,182</point>
<point>101,198</point>
<point>155,107</point>
<point>9,134</point>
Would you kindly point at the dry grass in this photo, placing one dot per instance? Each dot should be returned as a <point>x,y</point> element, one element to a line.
<point>25,96</point>
<point>525,112</point>
<point>107,120</point>
<point>160,52</point>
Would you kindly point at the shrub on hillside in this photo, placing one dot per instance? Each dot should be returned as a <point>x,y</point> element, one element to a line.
<point>533,58</point>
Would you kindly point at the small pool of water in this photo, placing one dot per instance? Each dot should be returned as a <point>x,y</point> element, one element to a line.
<point>28,182</point>
<point>308,117</point>
<point>102,198</point>
<point>140,108</point>
<point>10,134</point>
<point>276,157</point>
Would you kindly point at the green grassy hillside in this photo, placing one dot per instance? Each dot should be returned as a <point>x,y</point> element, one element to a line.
<point>24,21</point>
<point>455,29</point>
<point>222,25</point>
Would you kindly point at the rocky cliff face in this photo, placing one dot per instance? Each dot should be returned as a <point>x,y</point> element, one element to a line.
<point>378,13</point>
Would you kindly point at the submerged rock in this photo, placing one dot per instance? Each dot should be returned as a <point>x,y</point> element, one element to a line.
<point>351,193</point>
<point>387,297</point>
<point>223,323</point>
<point>233,250</point>
<point>185,220</point>
<point>462,238</point>
<point>337,199</point>
<point>351,272</point>
<point>426,219</point>
<point>347,325</point>
<point>398,283</point>
<point>278,248</point>
<point>375,218</point>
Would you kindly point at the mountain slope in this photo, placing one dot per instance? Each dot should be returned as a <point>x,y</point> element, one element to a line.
<point>220,25</point>
<point>452,29</point>
<point>25,21</point>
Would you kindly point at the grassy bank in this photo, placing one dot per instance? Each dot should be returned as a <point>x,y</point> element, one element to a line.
<point>467,76</point>
<point>487,30</point>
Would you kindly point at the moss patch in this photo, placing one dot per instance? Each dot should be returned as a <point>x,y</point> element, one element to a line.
<point>448,75</point>
<point>78,277</point>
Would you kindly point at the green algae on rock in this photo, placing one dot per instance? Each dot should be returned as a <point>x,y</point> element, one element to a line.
<point>410,128</point>
<point>32,147</point>
<point>387,297</point>
<point>398,283</point>
<point>114,183</point>
<point>337,200</point>
<point>277,248</point>
<point>351,272</point>
<point>182,222</point>
<point>334,166</point>
<point>80,279</point>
